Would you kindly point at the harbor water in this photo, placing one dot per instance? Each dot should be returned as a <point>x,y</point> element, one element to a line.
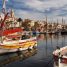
<point>40,57</point>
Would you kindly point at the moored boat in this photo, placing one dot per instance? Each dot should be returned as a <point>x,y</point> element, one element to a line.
<point>17,45</point>
<point>60,57</point>
<point>12,36</point>
<point>14,39</point>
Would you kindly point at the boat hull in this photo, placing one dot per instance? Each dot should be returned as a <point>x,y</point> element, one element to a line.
<point>60,60</point>
<point>2,50</point>
<point>20,45</point>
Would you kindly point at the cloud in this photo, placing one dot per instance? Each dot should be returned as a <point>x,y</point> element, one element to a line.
<point>41,5</point>
<point>38,9</point>
<point>30,15</point>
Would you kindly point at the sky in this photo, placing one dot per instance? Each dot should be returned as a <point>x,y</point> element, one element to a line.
<point>38,9</point>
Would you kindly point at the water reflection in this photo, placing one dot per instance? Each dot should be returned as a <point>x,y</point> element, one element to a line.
<point>48,44</point>
<point>6,59</point>
<point>42,56</point>
<point>48,36</point>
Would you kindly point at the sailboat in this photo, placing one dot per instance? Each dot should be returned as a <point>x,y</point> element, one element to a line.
<point>13,40</point>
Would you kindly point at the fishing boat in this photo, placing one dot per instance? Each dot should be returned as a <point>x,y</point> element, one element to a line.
<point>13,39</point>
<point>60,57</point>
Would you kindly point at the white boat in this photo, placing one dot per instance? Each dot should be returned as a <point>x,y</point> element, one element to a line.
<point>18,45</point>
<point>60,57</point>
<point>12,40</point>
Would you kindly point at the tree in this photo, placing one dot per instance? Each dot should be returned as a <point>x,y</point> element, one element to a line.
<point>36,25</point>
<point>26,24</point>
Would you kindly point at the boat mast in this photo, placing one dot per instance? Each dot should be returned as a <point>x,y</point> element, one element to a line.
<point>46,35</point>
<point>2,26</point>
<point>3,11</point>
<point>57,30</point>
<point>62,23</point>
<point>3,21</point>
<point>46,24</point>
<point>62,30</point>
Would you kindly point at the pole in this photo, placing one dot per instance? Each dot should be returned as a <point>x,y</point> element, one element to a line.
<point>4,7</point>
